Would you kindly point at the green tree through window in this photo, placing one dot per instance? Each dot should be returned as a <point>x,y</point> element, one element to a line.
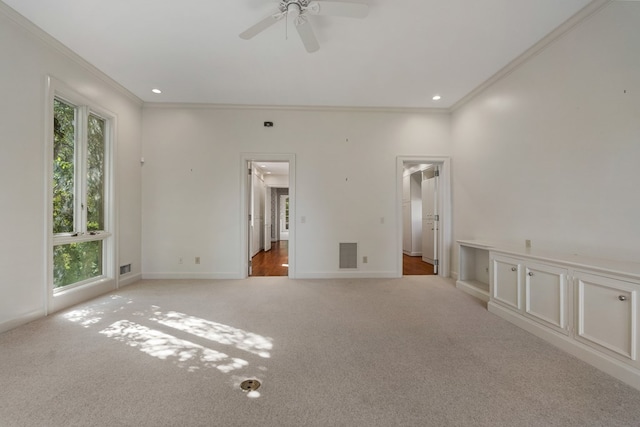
<point>79,146</point>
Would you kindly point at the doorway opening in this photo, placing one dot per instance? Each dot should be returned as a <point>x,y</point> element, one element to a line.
<point>424,215</point>
<point>268,202</point>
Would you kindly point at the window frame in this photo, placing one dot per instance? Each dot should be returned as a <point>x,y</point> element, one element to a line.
<point>64,296</point>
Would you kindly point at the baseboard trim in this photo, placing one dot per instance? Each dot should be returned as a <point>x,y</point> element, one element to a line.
<point>609,365</point>
<point>348,275</point>
<point>129,280</point>
<point>480,294</point>
<point>193,276</point>
<point>21,320</point>
<point>408,253</point>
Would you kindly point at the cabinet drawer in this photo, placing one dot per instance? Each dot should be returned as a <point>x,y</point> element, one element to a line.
<point>607,314</point>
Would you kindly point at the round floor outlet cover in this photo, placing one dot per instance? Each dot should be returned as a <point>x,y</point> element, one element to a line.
<point>250,385</point>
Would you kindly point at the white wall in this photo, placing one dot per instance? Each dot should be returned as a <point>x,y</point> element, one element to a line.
<point>550,152</point>
<point>26,61</point>
<point>345,183</point>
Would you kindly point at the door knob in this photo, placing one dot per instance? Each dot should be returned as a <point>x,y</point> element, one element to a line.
<point>513,268</point>
<point>622,298</point>
<point>531,273</point>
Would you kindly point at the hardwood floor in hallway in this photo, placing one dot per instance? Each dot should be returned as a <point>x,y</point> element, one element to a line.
<point>414,266</point>
<point>274,262</point>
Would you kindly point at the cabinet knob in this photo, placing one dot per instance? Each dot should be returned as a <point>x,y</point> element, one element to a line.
<point>622,298</point>
<point>531,273</point>
<point>513,268</point>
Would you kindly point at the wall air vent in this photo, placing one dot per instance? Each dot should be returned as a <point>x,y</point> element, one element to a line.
<point>348,255</point>
<point>124,269</point>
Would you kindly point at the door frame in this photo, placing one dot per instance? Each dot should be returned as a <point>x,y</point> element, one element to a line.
<point>444,204</point>
<point>245,159</point>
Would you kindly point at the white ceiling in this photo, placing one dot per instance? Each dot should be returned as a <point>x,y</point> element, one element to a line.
<point>273,168</point>
<point>400,55</point>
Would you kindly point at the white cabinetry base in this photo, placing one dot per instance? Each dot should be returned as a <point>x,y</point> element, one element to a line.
<point>475,288</point>
<point>607,364</point>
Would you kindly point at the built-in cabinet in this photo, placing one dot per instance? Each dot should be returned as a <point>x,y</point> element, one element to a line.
<point>588,307</point>
<point>473,269</point>
<point>536,290</point>
<point>607,315</point>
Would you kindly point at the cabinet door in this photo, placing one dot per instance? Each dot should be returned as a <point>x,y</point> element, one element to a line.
<point>546,295</point>
<point>607,314</point>
<point>505,281</point>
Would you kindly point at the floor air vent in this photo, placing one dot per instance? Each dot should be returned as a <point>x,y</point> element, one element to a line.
<point>348,255</point>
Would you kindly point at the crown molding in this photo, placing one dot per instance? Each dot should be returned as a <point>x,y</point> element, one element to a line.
<point>578,18</point>
<point>47,39</point>
<point>196,106</point>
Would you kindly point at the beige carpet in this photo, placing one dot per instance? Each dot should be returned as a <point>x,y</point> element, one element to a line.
<point>403,352</point>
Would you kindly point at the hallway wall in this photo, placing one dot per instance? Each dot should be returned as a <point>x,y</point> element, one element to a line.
<point>346,183</point>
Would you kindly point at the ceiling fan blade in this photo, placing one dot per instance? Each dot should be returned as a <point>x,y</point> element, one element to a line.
<point>262,25</point>
<point>306,34</point>
<point>338,8</point>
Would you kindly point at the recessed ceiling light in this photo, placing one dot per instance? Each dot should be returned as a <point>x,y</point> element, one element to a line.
<point>436,98</point>
<point>156,91</point>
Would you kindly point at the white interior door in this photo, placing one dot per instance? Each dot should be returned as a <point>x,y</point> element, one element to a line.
<point>284,217</point>
<point>249,202</point>
<point>428,229</point>
<point>267,218</point>
<point>436,220</point>
<point>430,220</point>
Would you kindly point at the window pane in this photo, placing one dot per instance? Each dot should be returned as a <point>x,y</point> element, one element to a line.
<point>76,262</point>
<point>64,135</point>
<point>95,173</point>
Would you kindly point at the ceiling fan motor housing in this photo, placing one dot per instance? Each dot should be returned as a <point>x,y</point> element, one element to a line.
<point>300,4</point>
<point>298,10</point>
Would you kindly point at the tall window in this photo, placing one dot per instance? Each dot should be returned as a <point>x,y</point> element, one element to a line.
<point>80,138</point>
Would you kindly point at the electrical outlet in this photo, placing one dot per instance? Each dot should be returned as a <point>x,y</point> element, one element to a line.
<point>365,259</point>
<point>197,260</point>
<point>527,243</point>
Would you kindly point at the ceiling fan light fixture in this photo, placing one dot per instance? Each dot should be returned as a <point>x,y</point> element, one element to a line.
<point>299,10</point>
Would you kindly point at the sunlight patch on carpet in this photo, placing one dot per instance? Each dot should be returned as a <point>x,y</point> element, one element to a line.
<point>217,332</point>
<point>183,353</point>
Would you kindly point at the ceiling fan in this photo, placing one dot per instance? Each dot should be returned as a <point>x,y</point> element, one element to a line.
<point>299,11</point>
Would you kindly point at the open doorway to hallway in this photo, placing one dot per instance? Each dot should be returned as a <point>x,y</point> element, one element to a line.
<point>424,212</point>
<point>268,227</point>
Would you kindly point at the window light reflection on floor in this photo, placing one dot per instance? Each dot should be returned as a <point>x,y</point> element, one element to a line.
<point>93,313</point>
<point>167,347</point>
<point>164,346</point>
<point>217,332</point>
